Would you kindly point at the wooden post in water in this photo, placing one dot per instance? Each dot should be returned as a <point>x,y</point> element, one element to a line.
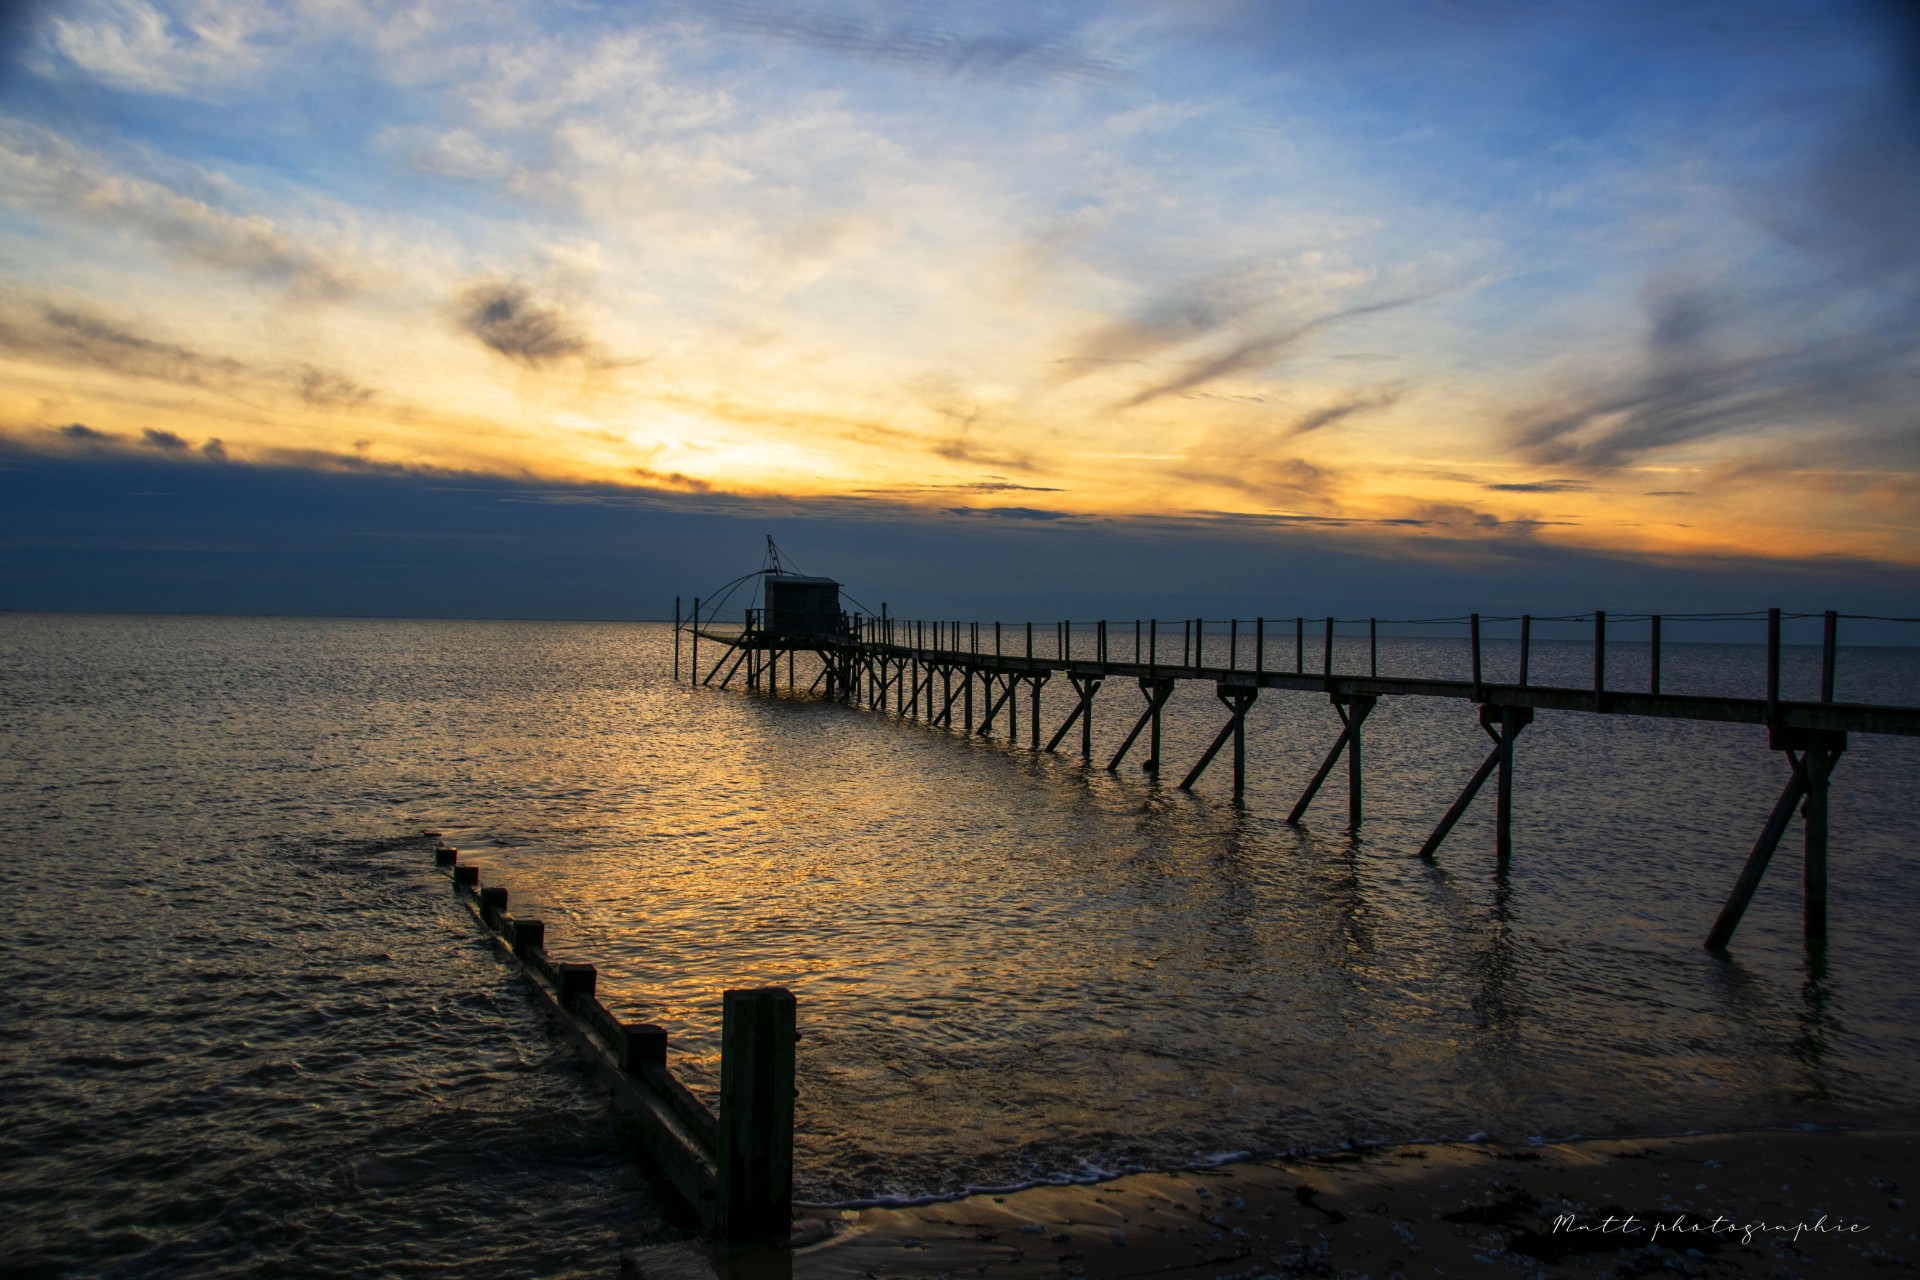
<point>1512,720</point>
<point>1233,644</point>
<point>1819,760</point>
<point>1373,646</point>
<point>1326,652</point>
<point>1299,646</point>
<point>1358,707</point>
<point>1038,680</point>
<point>676,639</point>
<point>1526,645</point>
<point>1259,645</point>
<point>755,1143</point>
<point>693,673</point>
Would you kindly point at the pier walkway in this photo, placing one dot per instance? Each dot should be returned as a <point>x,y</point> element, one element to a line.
<point>931,671</point>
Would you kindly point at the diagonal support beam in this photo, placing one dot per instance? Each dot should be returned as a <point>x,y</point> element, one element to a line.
<point>1326,767</point>
<point>724,655</point>
<point>1082,714</point>
<point>1756,868</point>
<point>946,712</point>
<point>1511,720</point>
<point>994,704</point>
<point>1239,699</point>
<point>1157,692</point>
<point>1818,752</point>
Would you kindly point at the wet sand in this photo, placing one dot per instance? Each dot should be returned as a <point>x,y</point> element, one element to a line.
<point>1794,1204</point>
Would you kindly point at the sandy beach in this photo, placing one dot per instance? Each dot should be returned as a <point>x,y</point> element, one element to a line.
<point>1782,1204</point>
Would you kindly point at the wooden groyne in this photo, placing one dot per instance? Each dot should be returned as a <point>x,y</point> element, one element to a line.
<point>734,1169</point>
<point>930,670</point>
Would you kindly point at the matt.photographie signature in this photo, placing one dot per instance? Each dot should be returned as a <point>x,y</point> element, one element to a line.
<point>1683,1226</point>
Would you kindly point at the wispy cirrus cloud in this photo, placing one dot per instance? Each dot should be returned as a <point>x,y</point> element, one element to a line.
<point>44,172</point>
<point>937,39</point>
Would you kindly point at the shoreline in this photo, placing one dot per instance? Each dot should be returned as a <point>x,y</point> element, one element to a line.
<point>1825,1202</point>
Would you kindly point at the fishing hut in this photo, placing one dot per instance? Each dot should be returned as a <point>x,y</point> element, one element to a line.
<point>931,669</point>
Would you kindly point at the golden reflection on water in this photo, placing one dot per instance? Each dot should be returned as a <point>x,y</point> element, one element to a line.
<point>1010,965</point>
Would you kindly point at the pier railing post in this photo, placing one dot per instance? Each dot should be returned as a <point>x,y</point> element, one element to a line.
<point>676,639</point>
<point>1473,627</point>
<point>1828,639</point>
<point>1599,659</point>
<point>1773,666</point>
<point>755,1156</point>
<point>1653,643</point>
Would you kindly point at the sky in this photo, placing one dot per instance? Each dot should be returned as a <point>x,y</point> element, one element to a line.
<point>1223,304</point>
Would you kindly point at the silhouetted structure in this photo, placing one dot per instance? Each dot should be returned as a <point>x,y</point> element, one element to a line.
<point>929,669</point>
<point>800,608</point>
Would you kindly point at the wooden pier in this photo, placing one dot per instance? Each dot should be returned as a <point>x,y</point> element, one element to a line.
<point>930,670</point>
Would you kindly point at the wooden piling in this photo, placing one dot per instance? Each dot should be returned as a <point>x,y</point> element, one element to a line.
<point>1359,706</point>
<point>676,639</point>
<point>755,1147</point>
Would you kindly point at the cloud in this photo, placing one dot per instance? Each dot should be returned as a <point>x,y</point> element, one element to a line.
<point>214,450</point>
<point>1541,486</point>
<point>506,320</point>
<point>53,175</point>
<point>69,335</point>
<point>1012,513</point>
<point>1274,481</point>
<point>1708,370</point>
<point>920,37</point>
<point>132,45</point>
<point>326,390</point>
<point>164,441</point>
<point>73,336</point>
<point>81,431</point>
<point>1363,402</point>
<point>1256,351</point>
<point>446,153</point>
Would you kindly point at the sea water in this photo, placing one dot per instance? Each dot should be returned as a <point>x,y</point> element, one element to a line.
<point>248,1031</point>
